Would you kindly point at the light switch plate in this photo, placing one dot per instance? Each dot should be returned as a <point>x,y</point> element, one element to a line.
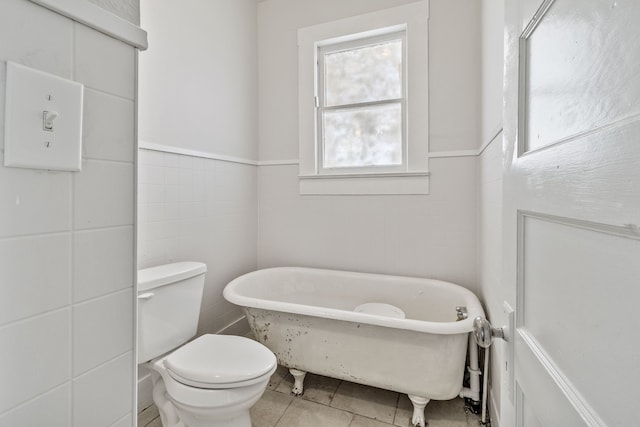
<point>35,101</point>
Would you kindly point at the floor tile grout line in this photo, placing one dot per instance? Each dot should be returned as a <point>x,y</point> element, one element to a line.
<point>284,412</point>
<point>353,417</point>
<point>369,418</point>
<point>334,394</point>
<point>393,422</point>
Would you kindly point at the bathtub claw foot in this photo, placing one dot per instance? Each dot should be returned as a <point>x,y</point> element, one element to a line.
<point>298,377</point>
<point>419,403</point>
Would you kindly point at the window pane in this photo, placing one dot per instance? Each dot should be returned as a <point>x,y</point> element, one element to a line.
<point>367,136</point>
<point>370,73</point>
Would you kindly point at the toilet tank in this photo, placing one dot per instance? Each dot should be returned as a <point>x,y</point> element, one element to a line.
<point>169,299</point>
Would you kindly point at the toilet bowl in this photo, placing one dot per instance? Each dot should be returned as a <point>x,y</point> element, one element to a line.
<point>211,381</point>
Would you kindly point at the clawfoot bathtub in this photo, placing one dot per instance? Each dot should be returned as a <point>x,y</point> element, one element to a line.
<point>403,334</point>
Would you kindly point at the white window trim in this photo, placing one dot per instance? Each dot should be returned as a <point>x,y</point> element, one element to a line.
<point>415,178</point>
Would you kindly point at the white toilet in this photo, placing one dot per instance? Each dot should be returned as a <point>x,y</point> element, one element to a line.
<point>209,382</point>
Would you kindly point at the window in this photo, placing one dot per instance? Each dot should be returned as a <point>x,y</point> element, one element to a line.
<point>363,104</point>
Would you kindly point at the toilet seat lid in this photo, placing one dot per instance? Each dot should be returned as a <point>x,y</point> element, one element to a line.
<point>220,361</point>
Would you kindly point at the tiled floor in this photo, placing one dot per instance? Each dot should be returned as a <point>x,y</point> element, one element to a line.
<point>328,402</point>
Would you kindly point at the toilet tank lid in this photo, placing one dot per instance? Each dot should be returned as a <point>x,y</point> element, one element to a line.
<point>161,275</point>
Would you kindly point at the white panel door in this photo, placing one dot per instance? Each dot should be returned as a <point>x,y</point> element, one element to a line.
<point>572,211</point>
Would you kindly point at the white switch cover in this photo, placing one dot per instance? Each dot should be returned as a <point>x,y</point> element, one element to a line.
<point>43,120</point>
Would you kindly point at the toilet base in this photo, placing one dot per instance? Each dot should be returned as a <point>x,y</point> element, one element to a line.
<point>230,411</point>
<point>166,409</point>
<point>191,418</point>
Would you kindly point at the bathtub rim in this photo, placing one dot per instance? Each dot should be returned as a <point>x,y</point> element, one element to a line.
<point>474,307</point>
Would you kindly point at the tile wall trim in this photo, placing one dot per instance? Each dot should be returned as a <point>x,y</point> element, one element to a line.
<point>278,162</point>
<point>455,153</point>
<point>496,135</point>
<point>99,19</point>
<point>466,153</point>
<point>187,152</point>
<point>146,145</point>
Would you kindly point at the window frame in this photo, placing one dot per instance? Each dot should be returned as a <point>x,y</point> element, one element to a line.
<point>414,177</point>
<point>329,47</point>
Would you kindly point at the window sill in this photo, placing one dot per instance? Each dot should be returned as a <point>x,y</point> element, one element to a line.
<point>365,184</point>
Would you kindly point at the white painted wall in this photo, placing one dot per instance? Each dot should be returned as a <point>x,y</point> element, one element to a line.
<point>490,187</point>
<point>198,91</point>
<point>492,59</point>
<point>198,79</point>
<point>433,235</point>
<point>454,75</point>
<point>67,248</point>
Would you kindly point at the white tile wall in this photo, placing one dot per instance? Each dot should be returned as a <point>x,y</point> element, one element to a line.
<point>27,263</point>
<point>198,209</point>
<point>104,395</point>
<point>95,65</point>
<point>66,240</point>
<point>127,421</point>
<point>35,357</point>
<point>490,254</point>
<point>34,201</point>
<point>427,236</point>
<point>50,409</point>
<point>101,139</point>
<point>30,27</point>
<point>102,330</point>
<point>490,216</point>
<point>104,194</point>
<point>102,261</point>
<point>42,29</point>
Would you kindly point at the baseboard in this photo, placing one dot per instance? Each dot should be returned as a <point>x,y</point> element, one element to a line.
<point>238,327</point>
<point>494,413</point>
